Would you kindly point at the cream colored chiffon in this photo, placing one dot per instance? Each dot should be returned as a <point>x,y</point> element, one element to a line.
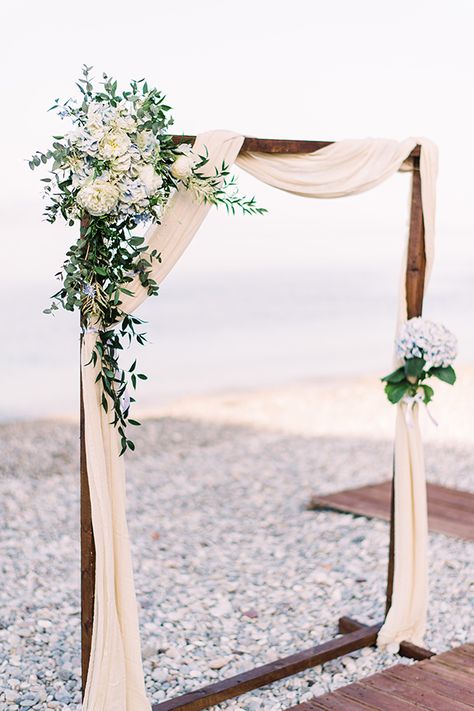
<point>115,680</point>
<point>346,168</point>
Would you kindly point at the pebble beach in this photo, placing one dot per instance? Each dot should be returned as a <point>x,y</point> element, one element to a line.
<point>231,568</point>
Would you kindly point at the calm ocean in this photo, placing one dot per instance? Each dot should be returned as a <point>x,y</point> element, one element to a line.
<point>231,329</point>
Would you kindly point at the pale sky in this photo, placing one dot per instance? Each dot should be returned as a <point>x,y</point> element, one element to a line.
<point>299,69</point>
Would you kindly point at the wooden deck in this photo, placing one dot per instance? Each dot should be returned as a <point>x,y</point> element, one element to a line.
<point>443,683</point>
<point>450,511</point>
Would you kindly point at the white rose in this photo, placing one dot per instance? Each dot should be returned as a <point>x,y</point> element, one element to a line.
<point>150,179</point>
<point>182,167</point>
<point>98,197</point>
<point>115,143</point>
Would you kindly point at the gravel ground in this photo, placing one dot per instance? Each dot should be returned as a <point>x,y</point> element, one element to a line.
<point>231,569</point>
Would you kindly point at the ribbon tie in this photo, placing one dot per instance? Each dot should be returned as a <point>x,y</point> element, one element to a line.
<point>410,402</point>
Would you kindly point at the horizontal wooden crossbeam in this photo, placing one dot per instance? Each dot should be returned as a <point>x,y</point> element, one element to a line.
<point>407,649</point>
<point>236,685</point>
<point>281,145</point>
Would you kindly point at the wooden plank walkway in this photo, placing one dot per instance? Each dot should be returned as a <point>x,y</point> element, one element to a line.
<point>450,511</point>
<point>443,683</point>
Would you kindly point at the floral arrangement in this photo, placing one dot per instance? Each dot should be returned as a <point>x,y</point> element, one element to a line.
<point>116,170</point>
<point>428,350</point>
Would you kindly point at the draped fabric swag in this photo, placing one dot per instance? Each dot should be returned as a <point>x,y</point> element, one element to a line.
<point>115,679</point>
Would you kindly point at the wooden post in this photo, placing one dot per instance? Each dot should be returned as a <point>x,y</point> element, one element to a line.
<point>415,288</point>
<point>87,559</point>
<point>87,540</point>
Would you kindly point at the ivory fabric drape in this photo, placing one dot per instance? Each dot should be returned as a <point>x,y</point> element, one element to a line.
<point>347,168</point>
<point>115,679</point>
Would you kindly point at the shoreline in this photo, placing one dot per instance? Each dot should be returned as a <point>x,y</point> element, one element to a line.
<point>317,405</point>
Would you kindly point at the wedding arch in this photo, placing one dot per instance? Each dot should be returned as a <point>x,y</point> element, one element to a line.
<point>112,674</point>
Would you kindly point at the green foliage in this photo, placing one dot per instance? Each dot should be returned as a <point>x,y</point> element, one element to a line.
<point>102,263</point>
<point>414,368</point>
<point>395,391</point>
<point>409,380</point>
<point>396,377</point>
<point>447,374</point>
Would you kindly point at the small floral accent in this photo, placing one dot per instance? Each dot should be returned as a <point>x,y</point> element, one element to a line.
<point>428,350</point>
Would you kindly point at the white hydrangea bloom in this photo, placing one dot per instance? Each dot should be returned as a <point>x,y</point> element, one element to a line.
<point>431,341</point>
<point>82,176</point>
<point>147,144</point>
<point>133,192</point>
<point>150,179</point>
<point>96,120</point>
<point>123,121</point>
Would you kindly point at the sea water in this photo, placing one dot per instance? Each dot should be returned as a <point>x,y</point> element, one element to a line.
<point>211,330</point>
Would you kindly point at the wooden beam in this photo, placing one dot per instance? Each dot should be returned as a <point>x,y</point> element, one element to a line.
<point>278,145</point>
<point>266,674</point>
<point>391,544</point>
<point>87,541</point>
<point>87,558</point>
<point>407,649</point>
<point>416,260</point>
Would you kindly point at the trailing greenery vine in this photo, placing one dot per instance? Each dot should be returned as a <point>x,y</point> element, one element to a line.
<point>114,171</point>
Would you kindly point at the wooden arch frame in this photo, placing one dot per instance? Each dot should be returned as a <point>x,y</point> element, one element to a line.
<point>354,635</point>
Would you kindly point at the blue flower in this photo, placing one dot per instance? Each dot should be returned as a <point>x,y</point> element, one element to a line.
<point>89,290</point>
<point>142,217</point>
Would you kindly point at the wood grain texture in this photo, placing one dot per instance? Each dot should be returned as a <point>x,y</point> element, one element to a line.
<point>443,683</point>
<point>416,258</point>
<point>450,511</point>
<point>421,694</point>
<point>87,539</point>
<point>87,555</point>
<point>427,677</point>
<point>279,145</point>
